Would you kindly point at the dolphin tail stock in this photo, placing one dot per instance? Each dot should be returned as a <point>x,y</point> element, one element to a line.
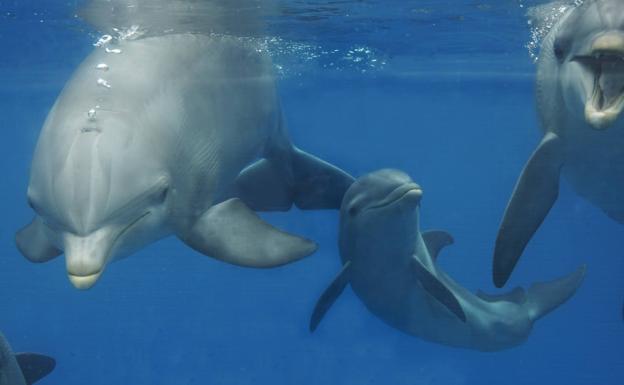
<point>544,297</point>
<point>33,243</point>
<point>329,296</point>
<point>34,366</point>
<point>290,176</point>
<point>233,233</point>
<point>536,191</point>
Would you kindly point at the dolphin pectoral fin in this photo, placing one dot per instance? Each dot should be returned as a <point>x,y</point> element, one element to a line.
<point>517,296</point>
<point>292,177</point>
<point>436,240</point>
<point>438,290</point>
<point>263,187</point>
<point>318,184</point>
<point>233,233</point>
<point>544,297</point>
<point>329,296</point>
<point>33,243</point>
<point>34,366</point>
<point>535,192</point>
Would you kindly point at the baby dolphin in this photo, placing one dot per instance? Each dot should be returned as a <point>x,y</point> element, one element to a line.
<point>177,134</point>
<point>22,368</point>
<point>391,267</point>
<point>580,97</point>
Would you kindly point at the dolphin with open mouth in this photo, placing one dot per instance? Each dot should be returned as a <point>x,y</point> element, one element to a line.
<point>580,97</point>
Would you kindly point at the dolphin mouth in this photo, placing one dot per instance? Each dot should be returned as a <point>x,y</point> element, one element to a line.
<point>84,282</point>
<point>606,63</point>
<point>411,190</point>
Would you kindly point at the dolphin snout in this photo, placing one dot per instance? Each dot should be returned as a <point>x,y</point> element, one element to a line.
<point>86,258</point>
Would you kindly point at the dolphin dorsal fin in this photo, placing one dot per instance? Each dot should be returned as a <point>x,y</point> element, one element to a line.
<point>517,296</point>
<point>436,240</point>
<point>329,296</point>
<point>34,366</point>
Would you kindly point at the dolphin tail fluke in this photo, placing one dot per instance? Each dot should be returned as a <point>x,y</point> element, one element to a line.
<point>33,243</point>
<point>292,176</point>
<point>536,191</point>
<point>544,297</point>
<point>34,366</point>
<point>329,296</point>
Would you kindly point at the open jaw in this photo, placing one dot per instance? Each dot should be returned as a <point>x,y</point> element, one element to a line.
<point>606,65</point>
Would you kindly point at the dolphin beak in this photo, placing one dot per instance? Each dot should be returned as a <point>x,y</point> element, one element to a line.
<point>406,193</point>
<point>606,64</point>
<point>86,257</point>
<point>84,282</point>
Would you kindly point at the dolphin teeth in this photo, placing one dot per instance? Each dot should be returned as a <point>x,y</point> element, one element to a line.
<point>606,101</point>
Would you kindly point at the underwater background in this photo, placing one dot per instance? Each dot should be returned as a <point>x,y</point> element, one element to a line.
<point>443,90</point>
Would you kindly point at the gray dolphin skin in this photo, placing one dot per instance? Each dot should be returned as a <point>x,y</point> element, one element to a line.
<point>580,96</point>
<point>177,134</point>
<point>22,368</point>
<point>391,267</point>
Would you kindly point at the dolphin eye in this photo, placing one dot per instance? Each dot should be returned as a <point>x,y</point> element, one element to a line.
<point>353,211</point>
<point>163,194</point>
<point>558,51</point>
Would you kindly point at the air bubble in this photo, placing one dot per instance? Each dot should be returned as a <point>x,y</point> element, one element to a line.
<point>105,39</point>
<point>102,67</point>
<point>113,50</point>
<point>103,83</point>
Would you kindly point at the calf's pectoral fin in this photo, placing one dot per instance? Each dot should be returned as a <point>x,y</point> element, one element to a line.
<point>535,192</point>
<point>233,233</point>
<point>437,289</point>
<point>34,366</point>
<point>292,177</point>
<point>33,243</point>
<point>329,296</point>
<point>436,240</point>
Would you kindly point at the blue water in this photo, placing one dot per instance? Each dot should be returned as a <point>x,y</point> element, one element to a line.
<point>458,116</point>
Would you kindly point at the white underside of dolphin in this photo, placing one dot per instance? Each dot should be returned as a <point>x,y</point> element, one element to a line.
<point>22,368</point>
<point>391,266</point>
<point>580,97</point>
<point>176,134</point>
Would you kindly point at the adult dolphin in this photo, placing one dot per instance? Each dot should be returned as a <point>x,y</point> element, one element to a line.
<point>392,268</point>
<point>580,96</point>
<point>22,368</point>
<point>159,136</point>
